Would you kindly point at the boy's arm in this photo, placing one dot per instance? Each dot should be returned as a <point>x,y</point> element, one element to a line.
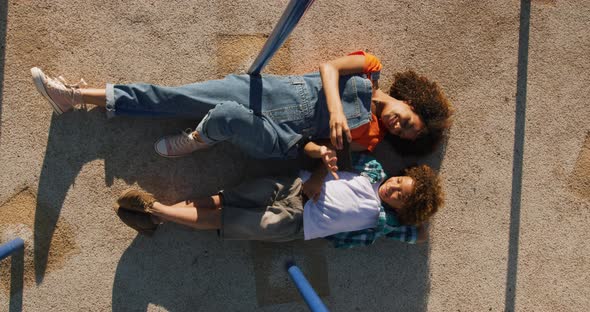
<point>324,152</point>
<point>313,186</point>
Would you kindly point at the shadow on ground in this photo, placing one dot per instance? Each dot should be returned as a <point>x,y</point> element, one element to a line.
<point>182,270</point>
<point>16,273</point>
<point>3,26</point>
<point>518,152</point>
<point>185,270</point>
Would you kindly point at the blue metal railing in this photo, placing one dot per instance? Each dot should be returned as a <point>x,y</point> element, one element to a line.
<point>291,16</point>
<point>312,299</point>
<point>10,247</point>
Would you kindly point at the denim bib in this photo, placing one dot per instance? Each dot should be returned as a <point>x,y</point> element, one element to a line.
<point>297,104</point>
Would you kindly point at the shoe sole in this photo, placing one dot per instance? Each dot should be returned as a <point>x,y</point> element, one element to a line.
<point>123,217</point>
<point>127,191</point>
<point>38,80</point>
<point>168,156</point>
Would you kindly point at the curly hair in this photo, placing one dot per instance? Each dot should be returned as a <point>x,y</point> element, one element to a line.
<point>426,198</point>
<point>428,101</point>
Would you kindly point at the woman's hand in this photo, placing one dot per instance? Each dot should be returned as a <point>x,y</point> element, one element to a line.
<point>339,128</point>
<point>330,73</point>
<point>330,160</point>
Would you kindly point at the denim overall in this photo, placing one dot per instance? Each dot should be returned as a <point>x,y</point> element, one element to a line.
<point>267,116</point>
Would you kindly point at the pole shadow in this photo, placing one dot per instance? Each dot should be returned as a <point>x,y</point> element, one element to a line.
<point>518,152</point>
<point>3,26</point>
<point>17,271</point>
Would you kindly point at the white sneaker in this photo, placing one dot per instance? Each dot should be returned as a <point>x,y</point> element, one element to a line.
<point>179,145</point>
<point>62,96</point>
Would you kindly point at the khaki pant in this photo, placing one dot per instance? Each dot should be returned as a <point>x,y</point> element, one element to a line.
<point>264,209</point>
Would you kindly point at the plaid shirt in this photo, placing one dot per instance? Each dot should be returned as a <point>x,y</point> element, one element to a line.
<point>387,226</point>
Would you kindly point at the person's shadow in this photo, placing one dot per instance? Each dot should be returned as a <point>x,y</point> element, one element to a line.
<point>178,268</point>
<point>77,138</point>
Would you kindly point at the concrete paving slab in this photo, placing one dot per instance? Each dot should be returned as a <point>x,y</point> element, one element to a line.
<point>513,232</point>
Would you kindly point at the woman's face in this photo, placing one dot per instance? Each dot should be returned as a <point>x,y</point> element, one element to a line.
<point>400,119</point>
<point>396,190</point>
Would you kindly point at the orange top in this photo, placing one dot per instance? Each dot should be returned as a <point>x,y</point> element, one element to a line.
<point>372,63</point>
<point>371,133</point>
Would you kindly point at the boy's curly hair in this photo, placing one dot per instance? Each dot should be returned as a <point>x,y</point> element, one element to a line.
<point>428,101</point>
<point>426,198</point>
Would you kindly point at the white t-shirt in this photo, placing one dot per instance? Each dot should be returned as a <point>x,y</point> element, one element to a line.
<point>348,204</point>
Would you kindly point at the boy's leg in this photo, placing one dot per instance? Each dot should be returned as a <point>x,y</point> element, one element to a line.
<point>202,214</point>
<point>267,209</point>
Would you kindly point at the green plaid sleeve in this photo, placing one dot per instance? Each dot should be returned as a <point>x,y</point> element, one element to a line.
<point>403,233</point>
<point>368,166</point>
<point>387,226</point>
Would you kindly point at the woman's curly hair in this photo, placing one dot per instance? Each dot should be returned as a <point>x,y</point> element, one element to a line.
<point>426,198</point>
<point>429,102</point>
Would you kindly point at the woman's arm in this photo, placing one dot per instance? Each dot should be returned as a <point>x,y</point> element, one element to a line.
<point>330,73</point>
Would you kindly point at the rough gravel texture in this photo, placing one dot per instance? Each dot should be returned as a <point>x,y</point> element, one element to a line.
<point>513,234</point>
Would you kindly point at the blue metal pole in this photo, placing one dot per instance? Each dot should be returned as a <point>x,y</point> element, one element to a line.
<point>312,299</point>
<point>293,13</point>
<point>10,247</point>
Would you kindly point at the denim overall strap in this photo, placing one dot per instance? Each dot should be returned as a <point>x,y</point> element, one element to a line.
<point>355,95</point>
<point>272,112</point>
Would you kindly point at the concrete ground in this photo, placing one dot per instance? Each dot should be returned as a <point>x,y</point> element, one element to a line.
<point>513,233</point>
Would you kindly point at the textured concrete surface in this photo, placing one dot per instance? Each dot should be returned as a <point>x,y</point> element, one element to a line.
<point>512,236</point>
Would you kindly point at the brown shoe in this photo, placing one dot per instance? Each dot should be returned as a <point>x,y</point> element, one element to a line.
<point>139,221</point>
<point>136,200</point>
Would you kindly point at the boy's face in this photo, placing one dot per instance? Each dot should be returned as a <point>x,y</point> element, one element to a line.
<point>396,190</point>
<point>400,119</point>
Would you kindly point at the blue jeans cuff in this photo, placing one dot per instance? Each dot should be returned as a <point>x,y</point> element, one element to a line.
<point>110,95</point>
<point>202,133</point>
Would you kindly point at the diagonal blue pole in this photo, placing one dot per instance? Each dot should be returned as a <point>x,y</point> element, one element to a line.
<point>10,247</point>
<point>293,13</point>
<point>312,299</point>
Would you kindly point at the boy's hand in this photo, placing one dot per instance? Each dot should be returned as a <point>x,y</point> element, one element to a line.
<point>330,160</point>
<point>312,188</point>
<point>338,126</point>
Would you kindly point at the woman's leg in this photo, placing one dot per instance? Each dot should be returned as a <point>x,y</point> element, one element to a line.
<point>259,136</point>
<point>190,101</point>
<point>94,97</point>
<point>202,214</point>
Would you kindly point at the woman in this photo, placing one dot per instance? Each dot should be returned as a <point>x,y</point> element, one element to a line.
<point>272,116</point>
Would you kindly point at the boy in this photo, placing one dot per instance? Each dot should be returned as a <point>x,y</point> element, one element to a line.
<point>353,210</point>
